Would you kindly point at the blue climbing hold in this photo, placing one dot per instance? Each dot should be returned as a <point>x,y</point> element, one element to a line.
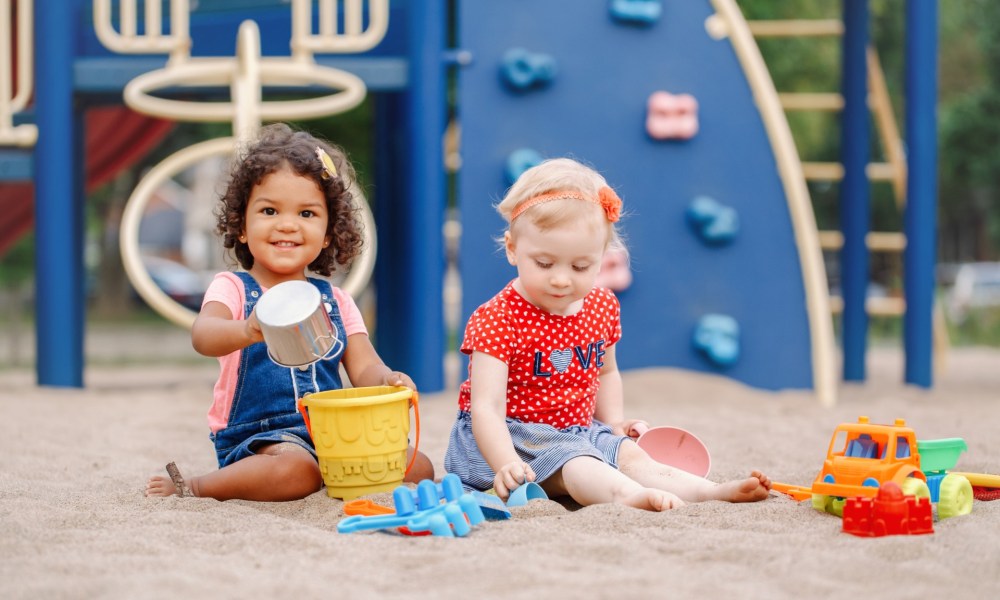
<point>519,161</point>
<point>523,70</point>
<point>713,222</point>
<point>640,12</point>
<point>717,338</point>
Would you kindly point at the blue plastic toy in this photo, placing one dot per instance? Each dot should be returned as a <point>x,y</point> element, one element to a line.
<point>494,508</point>
<point>526,492</point>
<point>443,509</point>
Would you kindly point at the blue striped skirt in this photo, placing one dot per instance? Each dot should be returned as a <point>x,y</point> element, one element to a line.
<point>542,446</point>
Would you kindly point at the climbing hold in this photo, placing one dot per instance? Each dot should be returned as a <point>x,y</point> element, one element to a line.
<point>717,338</point>
<point>519,161</point>
<point>523,70</point>
<point>671,116</point>
<point>713,222</point>
<point>640,12</point>
<point>615,273</point>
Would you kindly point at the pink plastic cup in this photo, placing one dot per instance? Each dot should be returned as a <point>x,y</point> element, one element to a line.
<point>675,447</point>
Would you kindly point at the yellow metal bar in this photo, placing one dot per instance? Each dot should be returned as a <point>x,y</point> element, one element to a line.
<point>885,123</point>
<point>877,307</point>
<point>811,101</point>
<point>797,28</point>
<point>879,241</point>
<point>832,171</point>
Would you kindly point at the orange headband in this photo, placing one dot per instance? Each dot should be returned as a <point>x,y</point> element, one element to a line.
<point>606,198</point>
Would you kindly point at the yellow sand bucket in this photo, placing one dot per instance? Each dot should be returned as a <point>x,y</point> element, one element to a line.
<point>360,436</point>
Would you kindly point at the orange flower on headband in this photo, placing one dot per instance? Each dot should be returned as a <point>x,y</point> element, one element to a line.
<point>611,203</point>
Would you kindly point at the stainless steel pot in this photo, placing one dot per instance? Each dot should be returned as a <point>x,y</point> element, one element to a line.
<point>295,324</point>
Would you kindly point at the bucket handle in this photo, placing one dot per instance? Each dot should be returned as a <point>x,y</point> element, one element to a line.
<point>416,413</point>
<point>305,415</point>
<point>416,442</point>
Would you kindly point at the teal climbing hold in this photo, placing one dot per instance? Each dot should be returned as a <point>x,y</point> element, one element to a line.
<point>713,222</point>
<point>717,338</point>
<point>639,12</point>
<point>523,70</point>
<point>519,161</point>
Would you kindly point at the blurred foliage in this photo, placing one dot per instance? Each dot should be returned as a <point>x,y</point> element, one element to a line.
<point>969,112</point>
<point>17,265</point>
<point>980,328</point>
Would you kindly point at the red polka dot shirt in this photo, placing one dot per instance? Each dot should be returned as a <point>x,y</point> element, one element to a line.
<point>553,361</point>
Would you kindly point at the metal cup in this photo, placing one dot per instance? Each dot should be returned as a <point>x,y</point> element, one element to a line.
<point>295,323</point>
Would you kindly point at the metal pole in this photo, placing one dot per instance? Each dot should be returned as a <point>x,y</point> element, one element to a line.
<point>410,313</point>
<point>59,290</point>
<point>855,202</point>
<point>920,218</point>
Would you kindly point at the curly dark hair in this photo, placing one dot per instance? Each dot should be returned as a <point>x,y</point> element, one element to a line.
<point>277,146</point>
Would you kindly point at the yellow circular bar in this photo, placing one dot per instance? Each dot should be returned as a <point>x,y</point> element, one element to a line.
<point>349,90</point>
<point>353,284</point>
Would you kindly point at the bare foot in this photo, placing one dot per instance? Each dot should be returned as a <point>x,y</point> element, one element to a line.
<point>652,499</point>
<point>751,489</point>
<point>161,487</point>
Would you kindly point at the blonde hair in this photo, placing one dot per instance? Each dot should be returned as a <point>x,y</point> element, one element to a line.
<point>557,174</point>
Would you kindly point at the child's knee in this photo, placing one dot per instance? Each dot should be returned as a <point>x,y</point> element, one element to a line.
<point>421,469</point>
<point>630,454</point>
<point>299,475</point>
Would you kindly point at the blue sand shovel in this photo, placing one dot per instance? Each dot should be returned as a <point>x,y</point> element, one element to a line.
<point>494,508</point>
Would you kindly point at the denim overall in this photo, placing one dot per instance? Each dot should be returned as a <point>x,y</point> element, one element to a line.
<point>263,409</point>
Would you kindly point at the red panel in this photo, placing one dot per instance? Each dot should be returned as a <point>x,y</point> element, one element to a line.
<point>117,137</point>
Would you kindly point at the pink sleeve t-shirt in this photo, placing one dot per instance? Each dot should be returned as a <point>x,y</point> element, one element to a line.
<point>227,288</point>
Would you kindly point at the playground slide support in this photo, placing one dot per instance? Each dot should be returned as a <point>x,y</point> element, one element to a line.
<point>59,282</point>
<point>919,220</point>
<point>799,206</point>
<point>855,193</point>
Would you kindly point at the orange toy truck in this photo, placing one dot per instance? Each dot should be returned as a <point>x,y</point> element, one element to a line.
<point>862,456</point>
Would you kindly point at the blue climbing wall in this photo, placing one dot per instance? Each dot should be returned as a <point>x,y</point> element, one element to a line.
<point>594,109</point>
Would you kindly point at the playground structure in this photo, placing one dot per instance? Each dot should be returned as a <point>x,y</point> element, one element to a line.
<point>728,276</point>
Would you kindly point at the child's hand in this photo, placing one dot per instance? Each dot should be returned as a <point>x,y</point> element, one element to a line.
<point>510,477</point>
<point>398,378</point>
<point>633,428</point>
<point>253,331</point>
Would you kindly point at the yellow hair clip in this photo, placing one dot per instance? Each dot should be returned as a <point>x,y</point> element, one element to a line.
<point>329,169</point>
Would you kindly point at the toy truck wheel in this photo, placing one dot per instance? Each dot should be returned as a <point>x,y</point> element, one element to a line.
<point>836,506</point>
<point>828,504</point>
<point>915,487</point>
<point>956,496</point>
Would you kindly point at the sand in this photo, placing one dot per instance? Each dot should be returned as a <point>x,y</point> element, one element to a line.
<point>74,522</point>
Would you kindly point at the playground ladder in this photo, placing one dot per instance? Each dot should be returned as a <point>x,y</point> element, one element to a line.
<point>892,171</point>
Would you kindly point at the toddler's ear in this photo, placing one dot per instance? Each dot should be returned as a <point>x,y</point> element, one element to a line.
<point>508,244</point>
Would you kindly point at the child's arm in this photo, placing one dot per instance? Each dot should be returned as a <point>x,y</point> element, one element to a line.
<point>365,367</point>
<point>216,333</point>
<point>611,398</point>
<point>489,425</point>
